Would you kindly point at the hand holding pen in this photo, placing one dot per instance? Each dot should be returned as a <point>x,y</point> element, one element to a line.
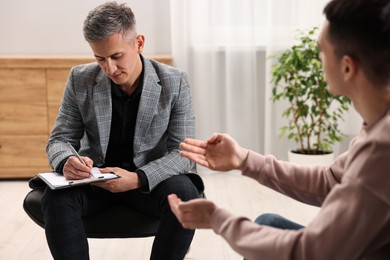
<point>77,167</point>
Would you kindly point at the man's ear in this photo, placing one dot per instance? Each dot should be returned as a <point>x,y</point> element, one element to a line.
<point>140,41</point>
<point>349,67</point>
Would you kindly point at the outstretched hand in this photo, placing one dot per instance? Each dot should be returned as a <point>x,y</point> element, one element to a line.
<point>221,152</point>
<point>192,214</point>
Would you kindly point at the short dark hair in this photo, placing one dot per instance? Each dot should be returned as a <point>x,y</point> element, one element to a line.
<point>107,19</point>
<point>361,29</point>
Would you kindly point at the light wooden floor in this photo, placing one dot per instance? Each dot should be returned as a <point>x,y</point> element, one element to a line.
<point>21,238</point>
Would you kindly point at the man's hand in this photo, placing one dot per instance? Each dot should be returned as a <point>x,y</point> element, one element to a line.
<point>221,152</point>
<point>192,214</point>
<point>127,181</point>
<point>76,170</point>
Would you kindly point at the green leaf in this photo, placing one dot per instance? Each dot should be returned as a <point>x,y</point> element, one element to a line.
<point>298,78</point>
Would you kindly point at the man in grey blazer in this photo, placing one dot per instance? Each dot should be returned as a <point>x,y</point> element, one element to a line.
<point>124,114</point>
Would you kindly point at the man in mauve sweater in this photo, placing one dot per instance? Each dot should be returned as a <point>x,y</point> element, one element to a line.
<point>354,192</point>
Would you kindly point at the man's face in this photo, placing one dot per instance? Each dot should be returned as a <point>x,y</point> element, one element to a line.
<point>330,63</point>
<point>118,57</point>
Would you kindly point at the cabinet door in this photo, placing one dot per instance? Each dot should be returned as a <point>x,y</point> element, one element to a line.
<point>23,104</point>
<point>56,80</point>
<point>23,156</point>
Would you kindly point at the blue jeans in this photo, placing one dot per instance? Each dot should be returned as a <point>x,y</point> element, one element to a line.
<point>277,221</point>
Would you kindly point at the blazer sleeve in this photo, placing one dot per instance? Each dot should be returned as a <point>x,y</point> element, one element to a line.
<point>68,126</point>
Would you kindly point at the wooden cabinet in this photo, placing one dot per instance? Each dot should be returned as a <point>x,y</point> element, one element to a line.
<point>23,122</point>
<point>56,79</point>
<point>31,89</point>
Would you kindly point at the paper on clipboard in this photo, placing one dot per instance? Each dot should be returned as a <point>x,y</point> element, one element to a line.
<point>57,181</point>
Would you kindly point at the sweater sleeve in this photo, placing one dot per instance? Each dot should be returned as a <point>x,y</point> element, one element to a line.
<point>340,231</point>
<point>308,184</point>
<point>354,220</point>
<point>249,239</point>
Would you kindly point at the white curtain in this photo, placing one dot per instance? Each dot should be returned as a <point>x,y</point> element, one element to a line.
<point>224,47</point>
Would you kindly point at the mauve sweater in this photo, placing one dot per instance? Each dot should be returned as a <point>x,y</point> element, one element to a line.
<point>354,195</point>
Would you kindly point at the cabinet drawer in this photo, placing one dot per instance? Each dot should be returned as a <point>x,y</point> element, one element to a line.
<point>23,102</point>
<point>23,151</point>
<point>56,80</point>
<point>23,118</point>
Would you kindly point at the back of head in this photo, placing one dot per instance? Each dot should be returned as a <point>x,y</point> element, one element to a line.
<point>361,29</point>
<point>107,19</point>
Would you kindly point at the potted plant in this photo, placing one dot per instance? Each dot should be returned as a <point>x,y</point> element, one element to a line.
<point>313,113</point>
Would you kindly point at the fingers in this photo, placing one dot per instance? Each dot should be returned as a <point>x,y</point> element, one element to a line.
<point>178,209</point>
<point>195,151</point>
<point>74,169</point>
<point>104,184</point>
<point>107,170</point>
<point>78,165</point>
<point>216,138</point>
<point>69,174</point>
<point>196,158</point>
<point>193,148</point>
<point>174,201</point>
<point>195,142</point>
<point>192,214</point>
<point>127,181</point>
<point>88,161</point>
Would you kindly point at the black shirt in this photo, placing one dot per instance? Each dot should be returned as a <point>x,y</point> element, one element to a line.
<point>124,116</point>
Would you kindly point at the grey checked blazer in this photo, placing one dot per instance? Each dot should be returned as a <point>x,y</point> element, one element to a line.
<point>164,119</point>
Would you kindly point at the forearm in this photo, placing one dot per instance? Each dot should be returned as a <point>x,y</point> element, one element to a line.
<point>304,183</point>
<point>165,167</point>
<point>250,239</point>
<point>328,236</point>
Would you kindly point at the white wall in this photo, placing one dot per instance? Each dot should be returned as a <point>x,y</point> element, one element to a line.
<point>54,27</point>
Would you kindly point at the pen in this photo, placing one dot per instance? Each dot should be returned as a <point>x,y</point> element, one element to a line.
<point>75,153</point>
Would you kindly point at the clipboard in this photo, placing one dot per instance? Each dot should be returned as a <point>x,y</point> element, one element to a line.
<point>57,181</point>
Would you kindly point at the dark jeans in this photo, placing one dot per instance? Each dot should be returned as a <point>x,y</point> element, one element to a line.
<point>63,211</point>
<point>277,221</point>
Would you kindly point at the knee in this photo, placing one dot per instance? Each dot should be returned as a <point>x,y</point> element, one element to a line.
<point>49,202</point>
<point>56,199</point>
<point>49,198</point>
<point>277,221</point>
<point>185,189</point>
<point>268,219</point>
<point>180,185</point>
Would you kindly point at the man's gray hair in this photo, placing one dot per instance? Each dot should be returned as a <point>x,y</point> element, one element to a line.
<point>107,19</point>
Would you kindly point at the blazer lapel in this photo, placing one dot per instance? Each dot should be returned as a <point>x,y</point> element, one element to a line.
<point>148,106</point>
<point>103,109</point>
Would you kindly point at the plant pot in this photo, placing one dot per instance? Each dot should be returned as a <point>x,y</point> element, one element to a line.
<point>310,159</point>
